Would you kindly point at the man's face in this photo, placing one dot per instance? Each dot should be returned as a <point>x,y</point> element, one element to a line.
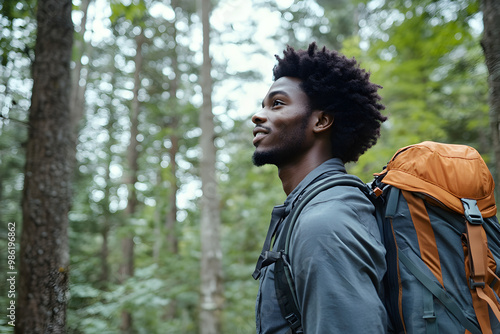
<point>280,133</point>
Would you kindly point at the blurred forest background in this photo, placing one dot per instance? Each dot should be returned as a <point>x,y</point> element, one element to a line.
<point>166,220</point>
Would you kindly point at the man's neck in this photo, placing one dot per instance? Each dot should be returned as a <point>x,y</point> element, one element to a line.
<point>292,174</point>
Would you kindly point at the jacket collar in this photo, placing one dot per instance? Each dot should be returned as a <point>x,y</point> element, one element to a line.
<point>328,168</point>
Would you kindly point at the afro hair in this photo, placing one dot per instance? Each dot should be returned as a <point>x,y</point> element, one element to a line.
<point>337,85</point>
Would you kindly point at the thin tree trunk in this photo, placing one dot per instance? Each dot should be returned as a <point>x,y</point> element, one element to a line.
<point>106,222</point>
<point>104,277</point>
<point>50,159</point>
<point>127,267</point>
<point>77,90</point>
<point>491,47</point>
<point>158,232</point>
<point>171,122</point>
<point>211,253</point>
<point>171,219</point>
<point>106,215</point>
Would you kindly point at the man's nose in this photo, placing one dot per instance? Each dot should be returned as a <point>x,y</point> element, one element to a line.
<point>259,117</point>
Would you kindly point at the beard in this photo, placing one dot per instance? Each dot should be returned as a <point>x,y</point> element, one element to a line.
<point>291,145</point>
<point>277,156</point>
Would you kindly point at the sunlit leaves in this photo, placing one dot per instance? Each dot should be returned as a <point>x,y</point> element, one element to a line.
<point>132,10</point>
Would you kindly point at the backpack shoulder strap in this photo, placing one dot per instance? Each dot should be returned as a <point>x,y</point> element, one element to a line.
<point>476,240</point>
<point>283,280</point>
<point>330,182</point>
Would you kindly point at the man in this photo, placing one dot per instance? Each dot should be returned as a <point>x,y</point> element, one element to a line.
<point>320,113</point>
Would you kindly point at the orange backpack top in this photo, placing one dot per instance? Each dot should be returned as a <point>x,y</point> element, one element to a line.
<point>445,172</point>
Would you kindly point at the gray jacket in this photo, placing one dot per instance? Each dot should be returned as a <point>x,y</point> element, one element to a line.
<point>337,260</point>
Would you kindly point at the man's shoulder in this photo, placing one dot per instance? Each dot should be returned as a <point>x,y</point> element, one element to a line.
<point>337,208</point>
<point>340,195</point>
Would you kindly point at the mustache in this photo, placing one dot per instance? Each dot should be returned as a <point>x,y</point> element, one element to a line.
<point>265,128</point>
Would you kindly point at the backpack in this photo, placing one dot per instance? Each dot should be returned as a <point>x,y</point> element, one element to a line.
<point>435,208</point>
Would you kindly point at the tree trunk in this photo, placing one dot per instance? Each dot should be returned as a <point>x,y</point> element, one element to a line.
<point>50,159</point>
<point>211,253</point>
<point>491,47</point>
<point>127,266</point>
<point>171,219</point>
<point>78,90</point>
<point>105,219</point>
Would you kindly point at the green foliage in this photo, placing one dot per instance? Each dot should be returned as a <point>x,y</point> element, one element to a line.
<point>14,103</point>
<point>133,12</point>
<point>326,22</point>
<point>17,36</point>
<point>424,53</point>
<point>429,61</point>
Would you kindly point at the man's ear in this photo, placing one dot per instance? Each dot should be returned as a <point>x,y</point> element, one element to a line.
<point>324,121</point>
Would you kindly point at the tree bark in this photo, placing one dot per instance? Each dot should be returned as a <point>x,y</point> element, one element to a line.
<point>77,90</point>
<point>211,253</point>
<point>127,266</point>
<point>50,160</point>
<point>491,47</point>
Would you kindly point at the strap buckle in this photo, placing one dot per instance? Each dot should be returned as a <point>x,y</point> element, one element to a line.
<point>265,258</point>
<point>269,257</point>
<point>473,284</point>
<point>294,322</point>
<point>472,212</point>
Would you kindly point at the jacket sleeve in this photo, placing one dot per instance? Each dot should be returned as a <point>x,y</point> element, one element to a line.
<point>338,263</point>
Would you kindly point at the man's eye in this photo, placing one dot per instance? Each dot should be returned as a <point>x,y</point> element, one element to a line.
<point>277,103</point>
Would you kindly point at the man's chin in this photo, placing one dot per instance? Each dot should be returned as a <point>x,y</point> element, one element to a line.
<point>275,156</point>
<point>262,158</point>
<point>271,157</point>
<point>257,160</point>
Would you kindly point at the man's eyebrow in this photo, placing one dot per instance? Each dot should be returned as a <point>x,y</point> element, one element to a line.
<point>274,93</point>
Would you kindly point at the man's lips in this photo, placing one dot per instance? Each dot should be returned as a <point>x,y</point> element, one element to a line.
<point>258,133</point>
